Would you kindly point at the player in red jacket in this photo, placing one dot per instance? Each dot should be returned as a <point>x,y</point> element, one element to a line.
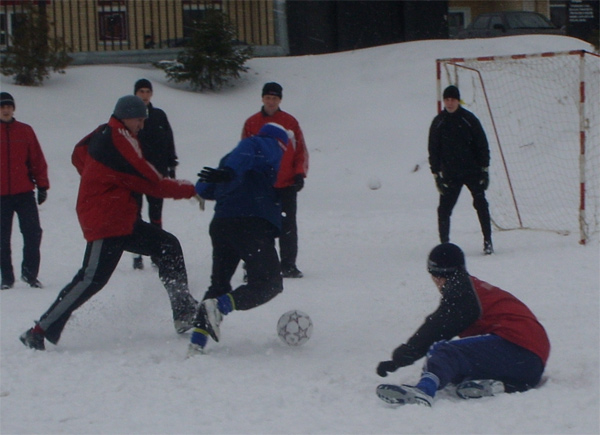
<point>23,168</point>
<point>501,345</point>
<point>111,170</point>
<point>293,170</point>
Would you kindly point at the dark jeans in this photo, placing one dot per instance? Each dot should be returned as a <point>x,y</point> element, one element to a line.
<point>484,357</point>
<point>99,262</point>
<point>253,241</point>
<point>288,239</point>
<point>448,201</point>
<point>24,205</point>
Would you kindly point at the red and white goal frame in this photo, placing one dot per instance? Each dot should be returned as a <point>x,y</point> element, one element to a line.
<point>541,114</point>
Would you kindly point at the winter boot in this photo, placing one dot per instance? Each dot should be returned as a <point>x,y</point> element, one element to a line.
<point>33,282</point>
<point>403,395</point>
<point>291,272</point>
<point>33,338</point>
<point>476,389</point>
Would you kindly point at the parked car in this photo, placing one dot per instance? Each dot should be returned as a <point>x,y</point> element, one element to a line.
<point>507,23</point>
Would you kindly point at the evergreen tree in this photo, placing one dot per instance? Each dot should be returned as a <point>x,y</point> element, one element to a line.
<point>212,57</point>
<point>33,54</point>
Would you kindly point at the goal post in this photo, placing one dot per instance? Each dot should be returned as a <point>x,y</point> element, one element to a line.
<point>541,114</point>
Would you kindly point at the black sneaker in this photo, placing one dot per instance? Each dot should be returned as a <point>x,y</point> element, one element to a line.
<point>291,272</point>
<point>33,340</point>
<point>138,263</point>
<point>33,282</point>
<point>488,248</point>
<point>7,285</point>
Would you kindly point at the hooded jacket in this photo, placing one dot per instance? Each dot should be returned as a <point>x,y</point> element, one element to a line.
<point>23,165</point>
<point>110,172</point>
<point>255,163</point>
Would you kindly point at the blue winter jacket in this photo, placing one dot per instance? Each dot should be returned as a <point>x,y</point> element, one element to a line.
<point>255,163</point>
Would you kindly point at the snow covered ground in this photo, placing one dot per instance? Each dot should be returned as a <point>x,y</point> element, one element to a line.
<point>120,367</point>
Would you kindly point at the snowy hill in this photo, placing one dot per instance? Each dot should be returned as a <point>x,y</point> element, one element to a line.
<point>120,367</point>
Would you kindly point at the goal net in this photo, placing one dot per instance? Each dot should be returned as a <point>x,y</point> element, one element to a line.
<point>541,114</point>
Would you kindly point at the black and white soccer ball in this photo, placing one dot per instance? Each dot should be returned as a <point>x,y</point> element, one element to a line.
<point>294,328</point>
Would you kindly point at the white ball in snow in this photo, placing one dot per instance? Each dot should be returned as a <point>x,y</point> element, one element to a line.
<point>294,328</point>
<point>374,183</point>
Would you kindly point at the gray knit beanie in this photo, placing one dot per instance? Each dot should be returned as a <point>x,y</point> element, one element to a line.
<point>130,106</point>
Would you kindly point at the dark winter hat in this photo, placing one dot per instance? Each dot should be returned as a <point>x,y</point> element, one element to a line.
<point>6,99</point>
<point>130,106</point>
<point>142,83</point>
<point>272,88</point>
<point>275,130</point>
<point>452,92</point>
<point>445,259</point>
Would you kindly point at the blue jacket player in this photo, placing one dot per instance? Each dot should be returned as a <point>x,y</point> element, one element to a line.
<point>246,222</point>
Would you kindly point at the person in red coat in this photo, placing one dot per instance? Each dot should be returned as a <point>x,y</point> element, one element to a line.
<point>112,167</point>
<point>23,169</point>
<point>502,347</point>
<point>292,172</point>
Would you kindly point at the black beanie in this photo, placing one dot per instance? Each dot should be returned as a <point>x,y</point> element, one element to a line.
<point>142,83</point>
<point>452,92</point>
<point>445,259</point>
<point>272,88</point>
<point>6,99</point>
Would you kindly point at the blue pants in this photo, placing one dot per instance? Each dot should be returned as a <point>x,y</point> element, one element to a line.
<point>484,357</point>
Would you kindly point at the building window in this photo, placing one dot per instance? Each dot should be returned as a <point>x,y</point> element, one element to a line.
<point>112,22</point>
<point>9,22</point>
<point>194,12</point>
<point>458,19</point>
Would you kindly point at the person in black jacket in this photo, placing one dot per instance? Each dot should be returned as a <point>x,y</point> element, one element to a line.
<point>158,147</point>
<point>459,155</point>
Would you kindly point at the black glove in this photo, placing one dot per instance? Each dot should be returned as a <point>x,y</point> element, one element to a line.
<point>298,182</point>
<point>211,175</point>
<point>485,178</point>
<point>171,172</point>
<point>386,367</point>
<point>440,183</point>
<point>42,194</point>
<point>402,356</point>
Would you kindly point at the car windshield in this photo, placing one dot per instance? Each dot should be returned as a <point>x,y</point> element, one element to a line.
<point>481,22</point>
<point>527,21</point>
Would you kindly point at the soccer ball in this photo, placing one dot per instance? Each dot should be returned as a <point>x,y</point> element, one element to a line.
<point>294,328</point>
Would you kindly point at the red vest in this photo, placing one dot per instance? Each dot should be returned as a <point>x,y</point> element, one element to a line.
<point>506,316</point>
